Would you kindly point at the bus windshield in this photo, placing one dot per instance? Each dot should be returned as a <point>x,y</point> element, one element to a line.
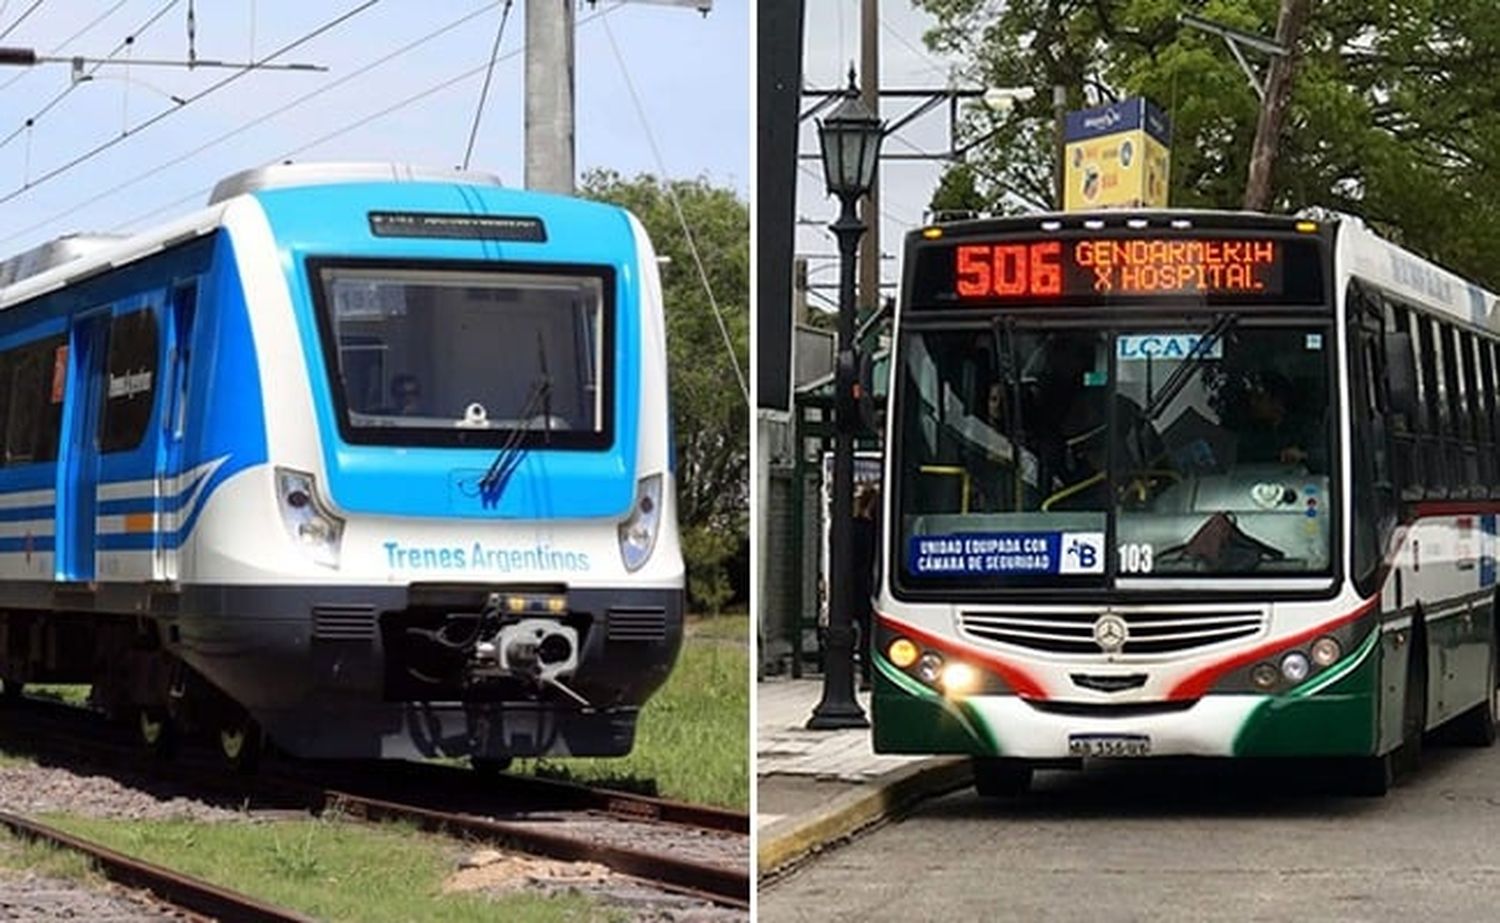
<point>1196,449</point>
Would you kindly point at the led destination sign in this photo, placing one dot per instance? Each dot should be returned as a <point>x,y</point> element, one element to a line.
<point>1126,267</point>
<point>1089,270</point>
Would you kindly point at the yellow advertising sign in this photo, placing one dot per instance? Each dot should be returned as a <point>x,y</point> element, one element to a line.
<point>1116,157</point>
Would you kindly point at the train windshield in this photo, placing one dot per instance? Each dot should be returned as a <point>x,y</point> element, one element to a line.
<point>1044,455</point>
<point>440,356</point>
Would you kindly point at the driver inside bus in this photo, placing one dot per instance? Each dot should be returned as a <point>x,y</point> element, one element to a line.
<point>1277,429</point>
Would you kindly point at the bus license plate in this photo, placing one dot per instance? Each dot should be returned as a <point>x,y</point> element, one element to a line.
<point>1109,745</point>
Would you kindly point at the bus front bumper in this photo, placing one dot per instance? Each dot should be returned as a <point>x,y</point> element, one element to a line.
<point>911,718</point>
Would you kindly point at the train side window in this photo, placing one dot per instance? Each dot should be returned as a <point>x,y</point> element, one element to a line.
<point>130,382</point>
<point>7,364</point>
<point>35,418</point>
<point>52,363</point>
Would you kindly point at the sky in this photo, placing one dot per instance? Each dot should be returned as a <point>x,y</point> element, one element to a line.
<point>831,43</point>
<point>691,73</point>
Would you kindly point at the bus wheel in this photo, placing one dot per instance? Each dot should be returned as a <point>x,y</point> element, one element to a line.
<point>1001,778</point>
<point>1370,776</point>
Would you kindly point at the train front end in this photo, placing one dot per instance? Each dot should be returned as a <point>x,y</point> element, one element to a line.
<point>463,539</point>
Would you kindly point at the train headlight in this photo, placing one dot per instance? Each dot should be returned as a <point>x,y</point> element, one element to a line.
<point>313,528</point>
<point>638,531</point>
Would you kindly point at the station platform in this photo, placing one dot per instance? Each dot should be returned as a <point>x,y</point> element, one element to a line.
<point>816,788</point>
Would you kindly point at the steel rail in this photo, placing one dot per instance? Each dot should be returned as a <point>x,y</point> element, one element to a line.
<point>181,891</point>
<point>585,797</point>
<point>714,882</point>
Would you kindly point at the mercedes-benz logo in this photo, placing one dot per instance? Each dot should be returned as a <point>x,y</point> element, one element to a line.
<point>1110,633</point>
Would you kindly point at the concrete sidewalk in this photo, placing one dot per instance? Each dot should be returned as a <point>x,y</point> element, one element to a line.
<point>815,788</point>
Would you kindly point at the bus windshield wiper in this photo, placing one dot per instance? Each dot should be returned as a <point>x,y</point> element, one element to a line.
<point>1185,372</point>
<point>513,450</point>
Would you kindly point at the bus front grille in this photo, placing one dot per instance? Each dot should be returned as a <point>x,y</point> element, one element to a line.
<point>1147,632</point>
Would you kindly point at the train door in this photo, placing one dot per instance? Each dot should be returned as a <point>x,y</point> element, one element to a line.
<point>171,489</point>
<point>78,451</point>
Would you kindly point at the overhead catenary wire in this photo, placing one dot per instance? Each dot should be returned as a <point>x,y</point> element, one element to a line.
<point>22,18</point>
<point>126,42</point>
<point>362,121</point>
<point>240,128</point>
<point>87,28</point>
<point>485,92</point>
<point>212,88</point>
<point>672,197</point>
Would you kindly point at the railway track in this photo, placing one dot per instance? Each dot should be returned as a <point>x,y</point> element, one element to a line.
<point>661,842</point>
<point>182,892</point>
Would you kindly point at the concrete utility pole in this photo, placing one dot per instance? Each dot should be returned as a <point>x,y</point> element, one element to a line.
<point>1274,103</point>
<point>549,95</point>
<point>869,92</point>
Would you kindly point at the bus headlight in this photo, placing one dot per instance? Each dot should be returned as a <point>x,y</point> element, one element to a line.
<point>638,531</point>
<point>1325,651</point>
<point>902,653</point>
<point>1294,667</point>
<point>929,668</point>
<point>313,528</point>
<point>959,679</point>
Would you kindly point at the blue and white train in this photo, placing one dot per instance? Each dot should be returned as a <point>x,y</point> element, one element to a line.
<point>361,460</point>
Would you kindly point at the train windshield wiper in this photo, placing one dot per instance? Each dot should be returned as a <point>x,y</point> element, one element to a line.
<point>513,450</point>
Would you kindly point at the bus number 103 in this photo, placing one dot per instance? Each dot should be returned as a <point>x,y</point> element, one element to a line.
<point>1009,270</point>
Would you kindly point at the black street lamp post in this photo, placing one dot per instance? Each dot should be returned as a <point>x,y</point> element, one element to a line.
<point>850,139</point>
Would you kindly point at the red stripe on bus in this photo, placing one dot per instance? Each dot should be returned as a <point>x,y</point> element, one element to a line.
<point>1427,508</point>
<point>1017,679</point>
<point>1198,683</point>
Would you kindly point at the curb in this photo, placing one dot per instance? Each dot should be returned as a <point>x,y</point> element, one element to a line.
<point>791,839</point>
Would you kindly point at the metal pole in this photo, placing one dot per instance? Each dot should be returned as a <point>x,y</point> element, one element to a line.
<point>549,95</point>
<point>1059,145</point>
<point>839,708</point>
<point>869,92</point>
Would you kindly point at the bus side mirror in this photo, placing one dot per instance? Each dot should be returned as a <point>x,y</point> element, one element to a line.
<point>1401,375</point>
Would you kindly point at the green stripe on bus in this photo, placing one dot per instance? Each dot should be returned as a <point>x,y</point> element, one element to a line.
<point>911,718</point>
<point>1332,714</point>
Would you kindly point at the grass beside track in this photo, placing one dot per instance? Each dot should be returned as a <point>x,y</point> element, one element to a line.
<point>693,740</point>
<point>328,869</point>
<point>21,854</point>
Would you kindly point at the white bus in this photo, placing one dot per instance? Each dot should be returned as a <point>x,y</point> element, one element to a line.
<point>1186,484</point>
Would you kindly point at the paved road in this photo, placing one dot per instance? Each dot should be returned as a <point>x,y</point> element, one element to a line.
<point>1144,841</point>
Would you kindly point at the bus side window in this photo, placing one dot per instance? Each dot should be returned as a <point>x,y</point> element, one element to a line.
<point>1436,425</point>
<point>1374,492</point>
<point>1488,384</point>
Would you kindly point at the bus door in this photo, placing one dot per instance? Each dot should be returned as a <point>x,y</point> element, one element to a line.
<point>171,489</point>
<point>78,449</point>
